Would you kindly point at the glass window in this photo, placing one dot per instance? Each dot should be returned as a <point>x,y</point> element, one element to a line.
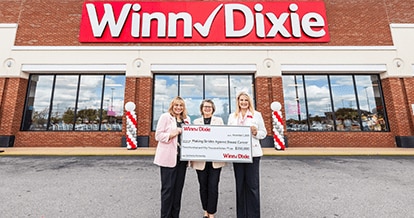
<point>318,102</point>
<point>37,108</point>
<point>345,104</point>
<point>113,111</point>
<point>194,88</point>
<point>165,89</point>
<point>237,84</point>
<point>89,103</point>
<point>295,107</point>
<point>334,103</point>
<point>74,103</point>
<point>373,117</point>
<point>63,102</point>
<point>191,90</point>
<point>217,89</point>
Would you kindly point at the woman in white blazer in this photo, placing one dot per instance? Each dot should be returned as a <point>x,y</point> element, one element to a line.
<point>247,174</point>
<point>208,173</point>
<point>172,170</point>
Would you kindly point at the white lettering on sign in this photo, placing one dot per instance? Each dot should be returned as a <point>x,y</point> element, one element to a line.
<point>133,21</point>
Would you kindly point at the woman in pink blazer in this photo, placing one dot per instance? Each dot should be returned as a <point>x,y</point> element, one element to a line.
<point>208,173</point>
<point>172,170</point>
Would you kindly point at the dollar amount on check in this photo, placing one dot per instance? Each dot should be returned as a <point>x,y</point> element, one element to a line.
<point>216,143</point>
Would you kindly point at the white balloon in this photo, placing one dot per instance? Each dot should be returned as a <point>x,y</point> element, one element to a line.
<point>275,106</point>
<point>130,106</point>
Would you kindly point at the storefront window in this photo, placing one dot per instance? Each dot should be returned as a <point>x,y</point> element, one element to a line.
<point>74,103</point>
<point>334,103</point>
<point>221,89</point>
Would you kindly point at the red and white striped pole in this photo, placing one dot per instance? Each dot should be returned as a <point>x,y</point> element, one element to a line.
<point>131,126</point>
<point>278,127</point>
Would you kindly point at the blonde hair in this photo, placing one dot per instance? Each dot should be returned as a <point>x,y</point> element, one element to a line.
<point>178,100</point>
<point>249,99</point>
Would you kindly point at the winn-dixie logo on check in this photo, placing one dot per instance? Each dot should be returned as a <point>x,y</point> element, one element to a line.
<point>204,22</point>
<point>216,143</point>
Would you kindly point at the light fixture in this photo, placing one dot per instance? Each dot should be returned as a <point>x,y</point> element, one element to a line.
<point>268,64</point>
<point>9,63</point>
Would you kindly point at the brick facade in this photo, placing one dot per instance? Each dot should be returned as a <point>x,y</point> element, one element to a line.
<point>140,90</point>
<point>351,23</point>
<point>13,92</point>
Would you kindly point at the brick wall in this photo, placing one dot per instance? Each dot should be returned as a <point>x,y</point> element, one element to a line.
<point>398,110</point>
<point>12,99</point>
<point>139,90</point>
<point>68,139</point>
<point>13,92</point>
<point>351,22</point>
<point>340,139</point>
<point>409,90</point>
<point>395,90</point>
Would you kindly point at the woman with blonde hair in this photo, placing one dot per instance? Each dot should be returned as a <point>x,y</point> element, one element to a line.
<point>247,175</point>
<point>167,154</point>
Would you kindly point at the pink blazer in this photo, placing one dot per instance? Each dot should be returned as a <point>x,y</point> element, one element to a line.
<point>200,165</point>
<point>166,152</point>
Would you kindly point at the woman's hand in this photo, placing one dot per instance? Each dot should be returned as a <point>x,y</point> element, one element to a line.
<point>175,133</point>
<point>253,129</point>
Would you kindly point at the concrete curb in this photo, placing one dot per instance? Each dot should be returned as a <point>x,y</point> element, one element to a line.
<point>121,151</point>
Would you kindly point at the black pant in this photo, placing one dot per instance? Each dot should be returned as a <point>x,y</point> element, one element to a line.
<point>247,177</point>
<point>172,183</point>
<point>208,180</point>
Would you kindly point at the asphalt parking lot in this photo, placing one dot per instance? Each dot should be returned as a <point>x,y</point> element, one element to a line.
<point>128,186</point>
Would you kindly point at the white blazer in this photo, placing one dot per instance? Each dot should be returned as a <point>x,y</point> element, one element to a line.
<point>256,119</point>
<point>200,165</point>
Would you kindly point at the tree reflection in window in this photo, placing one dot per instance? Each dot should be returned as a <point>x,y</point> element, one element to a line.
<point>74,103</point>
<point>220,88</point>
<point>334,103</point>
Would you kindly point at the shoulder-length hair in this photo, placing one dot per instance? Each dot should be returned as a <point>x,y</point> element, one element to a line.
<point>178,100</point>
<point>249,99</point>
<point>207,101</point>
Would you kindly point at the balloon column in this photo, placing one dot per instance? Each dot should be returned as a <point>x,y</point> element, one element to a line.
<point>131,126</point>
<point>278,126</point>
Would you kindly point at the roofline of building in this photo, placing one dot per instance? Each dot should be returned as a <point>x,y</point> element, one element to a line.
<point>205,48</point>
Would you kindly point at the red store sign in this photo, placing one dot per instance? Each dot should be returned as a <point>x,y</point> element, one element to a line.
<point>204,22</point>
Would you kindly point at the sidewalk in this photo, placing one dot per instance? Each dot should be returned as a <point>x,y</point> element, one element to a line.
<point>122,151</point>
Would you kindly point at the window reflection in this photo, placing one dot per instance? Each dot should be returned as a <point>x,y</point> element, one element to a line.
<point>221,89</point>
<point>216,89</point>
<point>165,89</point>
<point>74,102</point>
<point>296,113</point>
<point>237,84</point>
<point>191,90</point>
<point>37,108</point>
<point>89,102</point>
<point>371,102</point>
<point>63,102</point>
<point>113,103</point>
<point>345,105</point>
<point>318,102</point>
<point>333,103</point>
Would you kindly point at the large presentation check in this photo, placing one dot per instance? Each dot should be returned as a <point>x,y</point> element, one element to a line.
<point>216,143</point>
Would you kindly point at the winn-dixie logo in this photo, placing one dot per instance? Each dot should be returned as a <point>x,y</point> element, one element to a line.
<point>204,22</point>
